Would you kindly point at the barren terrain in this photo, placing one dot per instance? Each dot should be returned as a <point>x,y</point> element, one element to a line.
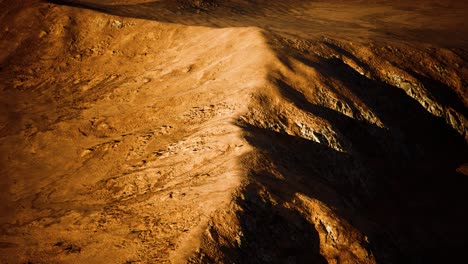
<point>236,131</point>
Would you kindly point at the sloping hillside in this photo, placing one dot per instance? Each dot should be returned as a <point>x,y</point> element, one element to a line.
<point>140,131</point>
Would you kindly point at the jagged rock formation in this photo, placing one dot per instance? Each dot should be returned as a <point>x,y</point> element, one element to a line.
<point>233,132</point>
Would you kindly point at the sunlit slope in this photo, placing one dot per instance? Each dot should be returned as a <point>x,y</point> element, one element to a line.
<point>118,135</point>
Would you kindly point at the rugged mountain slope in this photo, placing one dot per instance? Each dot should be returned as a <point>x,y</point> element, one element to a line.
<point>233,131</point>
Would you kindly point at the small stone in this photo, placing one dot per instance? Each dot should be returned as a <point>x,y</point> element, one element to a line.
<point>42,34</point>
<point>117,24</point>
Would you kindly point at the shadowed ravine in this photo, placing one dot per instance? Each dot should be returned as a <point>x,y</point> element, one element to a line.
<point>234,132</point>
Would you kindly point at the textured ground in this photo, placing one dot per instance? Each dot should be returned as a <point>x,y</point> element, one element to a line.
<point>140,131</point>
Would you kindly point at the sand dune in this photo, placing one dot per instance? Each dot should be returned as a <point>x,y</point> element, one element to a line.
<point>137,131</point>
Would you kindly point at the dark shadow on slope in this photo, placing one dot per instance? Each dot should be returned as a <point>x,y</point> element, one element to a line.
<point>401,230</point>
<point>426,137</point>
<point>272,233</point>
<point>321,173</point>
<point>402,178</point>
<point>348,54</point>
<point>442,93</point>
